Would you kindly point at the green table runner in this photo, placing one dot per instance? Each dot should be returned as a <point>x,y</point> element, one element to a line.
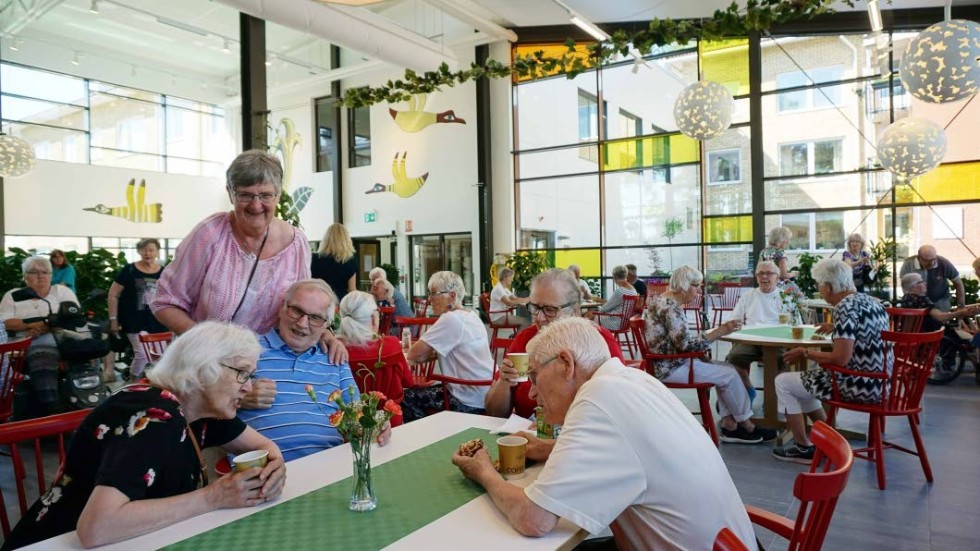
<point>412,490</point>
<point>781,332</point>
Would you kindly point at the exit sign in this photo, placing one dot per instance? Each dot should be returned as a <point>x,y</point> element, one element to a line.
<point>370,216</point>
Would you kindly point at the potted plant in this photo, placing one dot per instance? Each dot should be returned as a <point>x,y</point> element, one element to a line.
<point>526,265</point>
<point>804,278</point>
<point>882,255</point>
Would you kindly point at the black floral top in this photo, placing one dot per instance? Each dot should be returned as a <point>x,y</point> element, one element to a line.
<point>667,333</point>
<point>929,324</point>
<point>135,442</point>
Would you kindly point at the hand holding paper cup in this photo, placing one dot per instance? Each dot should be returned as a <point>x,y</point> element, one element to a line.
<point>520,361</point>
<point>512,451</point>
<point>245,461</point>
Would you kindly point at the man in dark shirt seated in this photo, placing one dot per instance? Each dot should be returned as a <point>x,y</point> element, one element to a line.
<point>914,288</point>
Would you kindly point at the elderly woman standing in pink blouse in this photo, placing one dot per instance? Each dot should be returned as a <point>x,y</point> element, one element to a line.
<point>236,266</point>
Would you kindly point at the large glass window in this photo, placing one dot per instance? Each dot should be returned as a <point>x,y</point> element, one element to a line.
<point>811,98</point>
<point>327,131</point>
<point>359,137</point>
<point>817,157</point>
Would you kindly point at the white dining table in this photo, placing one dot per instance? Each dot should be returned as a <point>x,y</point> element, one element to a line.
<point>476,525</point>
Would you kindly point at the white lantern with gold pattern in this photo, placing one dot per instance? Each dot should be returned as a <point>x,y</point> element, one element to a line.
<point>703,110</point>
<point>16,156</point>
<point>911,147</point>
<point>941,63</point>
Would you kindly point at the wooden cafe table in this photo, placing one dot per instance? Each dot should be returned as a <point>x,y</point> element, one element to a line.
<point>424,502</point>
<point>773,338</point>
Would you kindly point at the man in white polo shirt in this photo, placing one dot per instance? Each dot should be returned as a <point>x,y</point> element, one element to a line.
<point>759,306</point>
<point>630,455</point>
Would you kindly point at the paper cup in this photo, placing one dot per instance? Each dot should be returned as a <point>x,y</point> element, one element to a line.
<point>246,461</point>
<point>512,451</point>
<point>797,333</point>
<point>783,319</point>
<point>520,361</point>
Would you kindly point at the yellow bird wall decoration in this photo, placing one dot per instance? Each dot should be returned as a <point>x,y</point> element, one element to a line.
<point>415,119</point>
<point>136,209</point>
<point>403,186</point>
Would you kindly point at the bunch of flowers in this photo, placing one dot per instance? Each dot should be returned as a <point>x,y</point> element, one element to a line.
<point>792,299</point>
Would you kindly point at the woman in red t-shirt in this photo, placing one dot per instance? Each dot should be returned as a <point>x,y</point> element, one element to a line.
<point>369,351</point>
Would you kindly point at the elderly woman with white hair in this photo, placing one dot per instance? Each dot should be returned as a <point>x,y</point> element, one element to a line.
<point>613,306</point>
<point>859,260</point>
<point>776,251</point>
<point>359,331</point>
<point>667,333</point>
<point>502,299</point>
<point>135,463</point>
<point>459,338</point>
<point>23,312</point>
<point>856,333</point>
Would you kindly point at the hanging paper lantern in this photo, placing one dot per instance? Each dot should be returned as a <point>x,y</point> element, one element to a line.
<point>704,110</point>
<point>940,64</point>
<point>910,147</point>
<point>16,156</point>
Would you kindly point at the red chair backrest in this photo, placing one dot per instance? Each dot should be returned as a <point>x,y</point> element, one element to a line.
<point>447,380</point>
<point>629,305</point>
<point>386,314</point>
<point>818,489</point>
<point>906,320</point>
<point>914,357</point>
<point>485,301</point>
<point>639,326</point>
<point>11,374</point>
<point>380,374</point>
<point>155,343</point>
<point>654,289</point>
<point>498,349</point>
<point>34,430</point>
<point>730,293</point>
<point>726,540</point>
<point>421,306</point>
<point>417,326</point>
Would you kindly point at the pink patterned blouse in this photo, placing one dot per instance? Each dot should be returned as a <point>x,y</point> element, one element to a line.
<point>209,272</point>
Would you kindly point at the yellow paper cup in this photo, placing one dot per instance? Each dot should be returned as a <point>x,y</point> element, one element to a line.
<point>512,451</point>
<point>520,361</point>
<point>797,333</point>
<point>245,461</point>
<point>784,319</point>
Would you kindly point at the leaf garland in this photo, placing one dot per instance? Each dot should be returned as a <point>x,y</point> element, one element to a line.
<point>731,22</point>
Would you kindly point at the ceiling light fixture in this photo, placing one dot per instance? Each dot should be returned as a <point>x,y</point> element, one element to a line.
<point>589,27</point>
<point>15,44</point>
<point>95,7</point>
<point>874,14</point>
<point>76,58</point>
<point>227,47</point>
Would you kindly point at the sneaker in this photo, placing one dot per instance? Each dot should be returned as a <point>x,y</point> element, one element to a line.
<point>740,436</point>
<point>794,454</point>
<point>767,435</point>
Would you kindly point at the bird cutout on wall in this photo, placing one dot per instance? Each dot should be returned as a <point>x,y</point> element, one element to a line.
<point>415,119</point>
<point>403,186</point>
<point>136,208</point>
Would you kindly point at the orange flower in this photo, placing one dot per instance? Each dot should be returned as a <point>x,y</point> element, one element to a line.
<point>337,418</point>
<point>393,408</point>
<point>381,397</point>
<point>309,390</point>
<point>335,395</point>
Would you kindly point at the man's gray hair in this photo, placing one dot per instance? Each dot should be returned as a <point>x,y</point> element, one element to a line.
<point>579,336</point>
<point>192,363</point>
<point>31,261</point>
<point>254,167</point>
<point>564,282</point>
<point>619,273</point>
<point>767,264</point>
<point>575,269</point>
<point>779,234</point>
<point>835,273</point>
<point>447,281</point>
<point>908,280</point>
<point>377,273</point>
<point>356,312</point>
<point>684,277</point>
<point>504,273</point>
<point>317,284</point>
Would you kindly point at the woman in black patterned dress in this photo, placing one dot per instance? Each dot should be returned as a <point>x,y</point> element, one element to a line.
<point>856,333</point>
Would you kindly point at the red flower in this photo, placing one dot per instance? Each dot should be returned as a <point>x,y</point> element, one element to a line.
<point>158,414</point>
<point>337,418</point>
<point>381,397</point>
<point>311,392</point>
<point>393,408</point>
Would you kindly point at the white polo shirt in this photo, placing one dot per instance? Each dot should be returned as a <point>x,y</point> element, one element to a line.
<point>460,339</point>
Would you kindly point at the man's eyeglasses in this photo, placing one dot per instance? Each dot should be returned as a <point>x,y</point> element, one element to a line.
<point>532,374</point>
<point>36,273</point>
<point>241,375</point>
<point>246,198</point>
<point>548,311</point>
<point>296,314</point>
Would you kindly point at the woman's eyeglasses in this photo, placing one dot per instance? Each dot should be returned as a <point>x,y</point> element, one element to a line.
<point>241,375</point>
<point>246,198</point>
<point>296,314</point>
<point>37,273</point>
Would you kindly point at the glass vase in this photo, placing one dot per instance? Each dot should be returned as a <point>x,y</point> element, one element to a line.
<point>362,496</point>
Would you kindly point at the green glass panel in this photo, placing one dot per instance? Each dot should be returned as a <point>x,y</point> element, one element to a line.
<point>728,229</point>
<point>949,182</point>
<point>666,149</point>
<point>589,261</point>
<point>727,63</point>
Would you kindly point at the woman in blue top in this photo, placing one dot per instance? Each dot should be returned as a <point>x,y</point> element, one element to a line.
<point>61,271</point>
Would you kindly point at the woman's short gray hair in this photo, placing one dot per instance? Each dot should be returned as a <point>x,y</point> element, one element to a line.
<point>504,273</point>
<point>254,167</point>
<point>779,234</point>
<point>767,264</point>
<point>447,281</point>
<point>377,273</point>
<point>619,273</point>
<point>31,261</point>
<point>356,318</point>
<point>192,363</point>
<point>577,335</point>
<point>684,277</point>
<point>389,289</point>
<point>319,285</point>
<point>910,280</point>
<point>856,237</point>
<point>564,282</point>
<point>835,273</point>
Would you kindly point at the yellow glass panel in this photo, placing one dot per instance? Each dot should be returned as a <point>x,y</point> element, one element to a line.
<point>949,182</point>
<point>550,50</point>
<point>728,229</point>
<point>727,63</point>
<point>589,261</point>
<point>667,149</point>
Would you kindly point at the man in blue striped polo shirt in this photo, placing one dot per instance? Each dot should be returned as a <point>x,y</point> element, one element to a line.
<point>278,406</point>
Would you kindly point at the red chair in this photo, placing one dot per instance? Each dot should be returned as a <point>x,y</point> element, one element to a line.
<point>622,332</point>
<point>816,490</point>
<point>906,320</point>
<point>726,540</point>
<point>498,349</point>
<point>417,326</point>
<point>724,301</point>
<point>382,375</point>
<point>638,327</point>
<point>697,306</point>
<point>12,434</point>
<point>447,380</point>
<point>420,306</point>
<point>514,327</point>
<point>386,314</point>
<point>655,289</point>
<point>901,396</point>
<point>11,374</point>
<point>155,343</point>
